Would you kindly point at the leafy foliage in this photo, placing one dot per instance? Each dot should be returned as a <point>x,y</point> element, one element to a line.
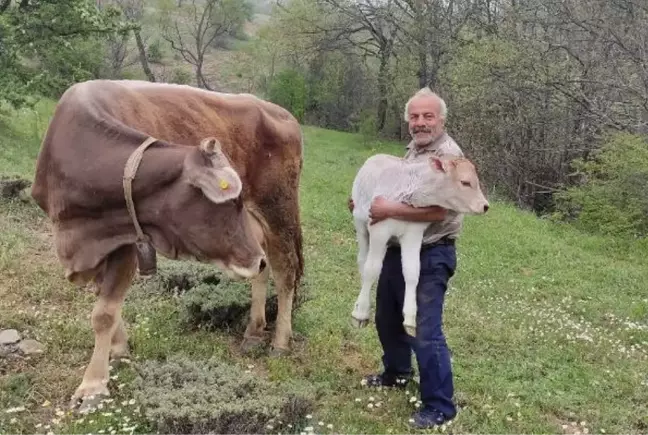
<point>45,46</point>
<point>289,91</point>
<point>612,198</point>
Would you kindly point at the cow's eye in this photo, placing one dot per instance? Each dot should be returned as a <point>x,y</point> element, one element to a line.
<point>465,183</point>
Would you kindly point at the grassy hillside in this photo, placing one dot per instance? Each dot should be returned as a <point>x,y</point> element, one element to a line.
<point>548,327</point>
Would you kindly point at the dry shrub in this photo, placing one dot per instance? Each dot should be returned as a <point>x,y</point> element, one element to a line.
<point>186,396</point>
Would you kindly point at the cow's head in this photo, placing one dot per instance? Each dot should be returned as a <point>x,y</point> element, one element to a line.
<point>210,217</point>
<point>459,188</point>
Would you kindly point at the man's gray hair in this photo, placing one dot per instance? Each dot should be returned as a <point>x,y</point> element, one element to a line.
<point>426,92</point>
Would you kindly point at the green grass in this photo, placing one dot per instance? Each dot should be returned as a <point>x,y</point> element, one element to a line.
<point>548,326</point>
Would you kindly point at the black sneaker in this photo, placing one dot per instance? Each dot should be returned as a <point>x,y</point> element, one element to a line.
<point>428,419</point>
<point>386,380</point>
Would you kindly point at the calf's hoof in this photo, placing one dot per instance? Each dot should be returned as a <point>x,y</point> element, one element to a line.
<point>359,323</point>
<point>88,396</point>
<point>411,330</point>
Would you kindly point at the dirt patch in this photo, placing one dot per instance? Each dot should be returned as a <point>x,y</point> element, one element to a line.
<point>12,188</point>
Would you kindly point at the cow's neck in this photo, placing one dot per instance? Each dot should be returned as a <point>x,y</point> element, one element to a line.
<point>159,172</point>
<point>422,186</point>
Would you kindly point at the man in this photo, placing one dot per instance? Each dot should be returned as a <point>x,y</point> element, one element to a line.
<point>425,113</point>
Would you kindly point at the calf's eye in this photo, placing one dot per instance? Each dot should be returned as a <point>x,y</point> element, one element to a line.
<point>465,183</point>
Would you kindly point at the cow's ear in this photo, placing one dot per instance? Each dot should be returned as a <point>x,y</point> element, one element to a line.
<point>437,164</point>
<point>210,146</point>
<point>222,185</point>
<point>218,184</point>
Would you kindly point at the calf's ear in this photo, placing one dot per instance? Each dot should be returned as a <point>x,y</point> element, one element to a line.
<point>438,164</point>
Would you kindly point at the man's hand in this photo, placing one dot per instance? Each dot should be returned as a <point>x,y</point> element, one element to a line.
<point>381,209</point>
<point>351,205</point>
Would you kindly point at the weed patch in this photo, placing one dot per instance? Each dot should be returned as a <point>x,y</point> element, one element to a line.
<point>186,396</point>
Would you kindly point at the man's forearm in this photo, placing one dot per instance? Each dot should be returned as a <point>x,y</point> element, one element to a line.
<point>418,214</point>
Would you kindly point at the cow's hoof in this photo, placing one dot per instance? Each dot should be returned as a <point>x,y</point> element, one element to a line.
<point>359,323</point>
<point>119,352</point>
<point>119,361</point>
<point>411,330</point>
<point>251,344</point>
<point>278,352</point>
<point>87,397</point>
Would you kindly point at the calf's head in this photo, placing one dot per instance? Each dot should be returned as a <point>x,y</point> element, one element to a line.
<point>209,216</point>
<point>458,188</point>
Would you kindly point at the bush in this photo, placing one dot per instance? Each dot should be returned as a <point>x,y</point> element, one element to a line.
<point>180,76</point>
<point>289,91</point>
<point>208,299</point>
<point>612,198</point>
<point>154,53</point>
<point>185,396</point>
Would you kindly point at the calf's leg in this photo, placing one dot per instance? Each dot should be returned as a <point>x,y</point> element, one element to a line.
<point>112,283</point>
<point>378,237</point>
<point>362,236</point>
<point>410,243</point>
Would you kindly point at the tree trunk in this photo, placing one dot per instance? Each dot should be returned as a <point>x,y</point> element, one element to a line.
<point>142,56</point>
<point>383,79</point>
<point>423,68</point>
<point>200,78</point>
<point>381,113</point>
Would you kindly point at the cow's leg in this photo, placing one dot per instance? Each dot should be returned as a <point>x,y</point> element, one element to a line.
<point>285,264</point>
<point>112,285</point>
<point>254,333</point>
<point>284,277</point>
<point>119,343</point>
<point>410,243</point>
<point>378,238</point>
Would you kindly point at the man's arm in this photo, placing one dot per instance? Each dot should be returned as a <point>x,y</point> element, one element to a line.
<point>382,209</point>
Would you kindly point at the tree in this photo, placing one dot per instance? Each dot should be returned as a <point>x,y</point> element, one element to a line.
<point>369,27</point>
<point>36,36</point>
<point>193,28</point>
<point>133,11</point>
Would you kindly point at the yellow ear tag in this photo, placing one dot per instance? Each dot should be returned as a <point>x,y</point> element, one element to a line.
<point>224,184</point>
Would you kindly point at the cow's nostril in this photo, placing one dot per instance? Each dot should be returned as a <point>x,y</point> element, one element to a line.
<point>262,265</point>
<point>486,208</point>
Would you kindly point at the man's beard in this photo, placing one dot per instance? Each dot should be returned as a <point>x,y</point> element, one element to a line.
<point>434,134</point>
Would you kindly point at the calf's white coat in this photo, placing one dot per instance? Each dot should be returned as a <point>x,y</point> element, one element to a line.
<point>449,182</point>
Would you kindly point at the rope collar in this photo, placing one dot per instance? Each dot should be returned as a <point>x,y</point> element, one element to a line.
<point>129,175</point>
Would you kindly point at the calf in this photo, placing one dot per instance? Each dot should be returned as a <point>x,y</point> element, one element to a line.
<point>448,182</point>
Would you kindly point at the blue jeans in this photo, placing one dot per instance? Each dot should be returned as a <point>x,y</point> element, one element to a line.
<point>438,264</point>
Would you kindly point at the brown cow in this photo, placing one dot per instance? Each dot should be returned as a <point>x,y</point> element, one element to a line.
<point>227,201</point>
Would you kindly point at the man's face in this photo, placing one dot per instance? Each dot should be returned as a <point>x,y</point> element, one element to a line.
<point>425,121</point>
